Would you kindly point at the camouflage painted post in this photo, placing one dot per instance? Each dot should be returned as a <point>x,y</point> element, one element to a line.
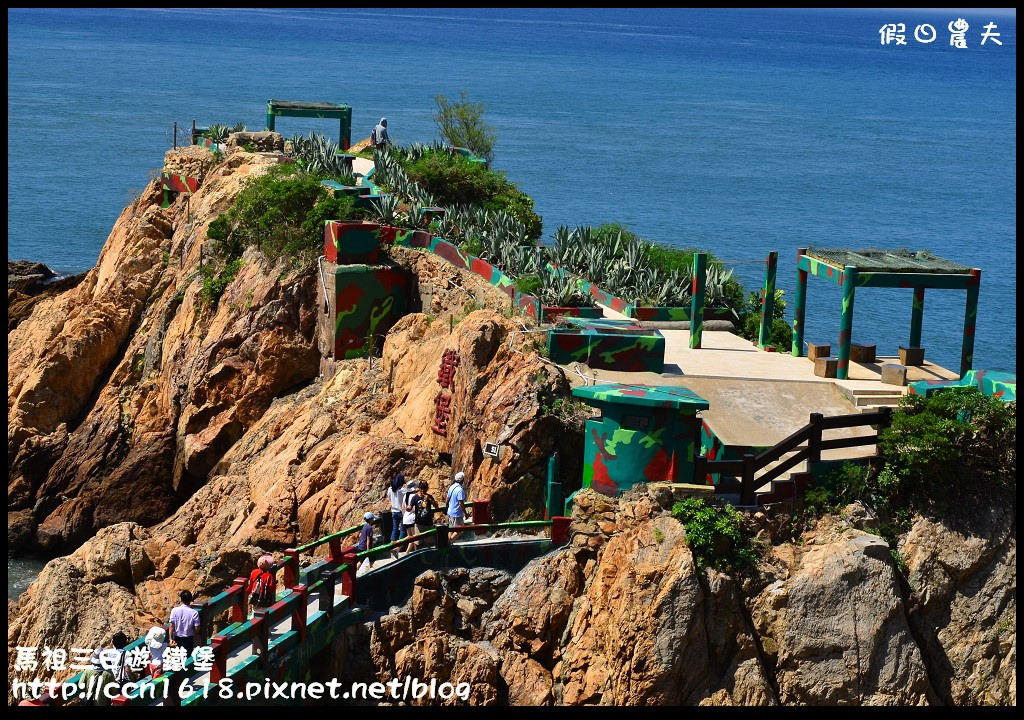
<point>799,305</point>
<point>764,335</point>
<point>970,318</point>
<point>916,317</point>
<point>846,322</point>
<point>697,299</point>
<point>555,500</point>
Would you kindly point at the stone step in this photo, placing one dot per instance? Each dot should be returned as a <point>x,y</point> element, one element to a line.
<point>862,401</point>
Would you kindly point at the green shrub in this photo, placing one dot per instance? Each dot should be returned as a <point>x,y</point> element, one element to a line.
<point>461,124</point>
<point>215,281</point>
<point>453,180</point>
<point>750,320</point>
<point>529,284</point>
<point>281,212</point>
<point>714,534</point>
<point>937,448</point>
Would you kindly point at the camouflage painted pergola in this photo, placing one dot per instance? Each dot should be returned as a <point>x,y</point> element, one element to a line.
<point>322,110</point>
<point>851,269</point>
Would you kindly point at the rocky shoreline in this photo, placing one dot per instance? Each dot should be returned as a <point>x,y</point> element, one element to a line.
<point>159,443</point>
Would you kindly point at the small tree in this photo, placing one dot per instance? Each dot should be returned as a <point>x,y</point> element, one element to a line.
<point>461,124</point>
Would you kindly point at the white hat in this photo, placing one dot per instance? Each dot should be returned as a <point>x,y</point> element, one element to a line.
<point>412,485</point>
<point>460,476</point>
<point>156,637</point>
<point>369,517</point>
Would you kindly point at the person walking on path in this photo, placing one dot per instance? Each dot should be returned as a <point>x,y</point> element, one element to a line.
<point>156,641</point>
<point>396,496</point>
<point>184,624</point>
<point>456,504</point>
<point>262,586</point>
<point>366,538</point>
<point>379,135</point>
<point>409,514</point>
<point>422,506</point>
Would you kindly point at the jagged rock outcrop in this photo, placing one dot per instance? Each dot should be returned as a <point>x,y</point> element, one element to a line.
<point>128,391</point>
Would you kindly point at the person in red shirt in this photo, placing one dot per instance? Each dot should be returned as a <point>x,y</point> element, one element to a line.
<point>262,586</point>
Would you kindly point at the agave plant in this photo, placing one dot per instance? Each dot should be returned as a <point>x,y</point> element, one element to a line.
<point>385,208</point>
<point>217,132</point>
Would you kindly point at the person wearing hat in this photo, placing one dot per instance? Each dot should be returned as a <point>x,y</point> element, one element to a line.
<point>366,536</point>
<point>456,503</point>
<point>93,680</point>
<point>262,586</point>
<point>156,641</point>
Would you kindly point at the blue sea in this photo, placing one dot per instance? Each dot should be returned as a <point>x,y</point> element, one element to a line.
<point>733,131</point>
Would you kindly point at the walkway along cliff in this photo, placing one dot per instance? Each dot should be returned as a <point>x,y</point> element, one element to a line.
<point>156,442</point>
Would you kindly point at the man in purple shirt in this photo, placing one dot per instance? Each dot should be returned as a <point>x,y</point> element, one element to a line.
<point>184,623</point>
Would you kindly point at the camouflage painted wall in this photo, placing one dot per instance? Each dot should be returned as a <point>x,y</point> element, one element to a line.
<point>994,384</point>
<point>346,243</point>
<point>646,434</point>
<point>598,347</point>
<point>368,300</point>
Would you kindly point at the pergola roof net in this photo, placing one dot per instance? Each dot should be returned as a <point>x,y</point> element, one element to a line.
<point>896,261</point>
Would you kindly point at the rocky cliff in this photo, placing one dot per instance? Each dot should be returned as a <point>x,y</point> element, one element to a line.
<point>157,442</point>
<point>622,616</point>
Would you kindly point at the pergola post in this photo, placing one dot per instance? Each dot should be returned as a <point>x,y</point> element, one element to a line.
<point>764,336</point>
<point>270,116</point>
<point>799,305</point>
<point>697,299</point>
<point>970,319</point>
<point>846,322</point>
<point>916,317</point>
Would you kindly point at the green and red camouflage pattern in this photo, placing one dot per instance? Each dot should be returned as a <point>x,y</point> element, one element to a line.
<point>1000,385</point>
<point>339,190</point>
<point>368,300</point>
<point>652,313</point>
<point>550,313</point>
<point>598,347</point>
<point>646,434</point>
<point>352,243</point>
<point>529,304</point>
<point>174,184</point>
<point>712,448</point>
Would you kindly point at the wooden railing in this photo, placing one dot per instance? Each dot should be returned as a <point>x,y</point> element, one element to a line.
<point>806,444</point>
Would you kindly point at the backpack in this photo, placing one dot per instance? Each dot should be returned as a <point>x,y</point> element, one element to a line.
<point>262,594</point>
<point>424,514</point>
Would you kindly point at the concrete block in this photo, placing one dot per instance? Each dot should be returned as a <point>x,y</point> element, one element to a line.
<point>818,350</point>
<point>911,355</point>
<point>826,366</point>
<point>893,374</point>
<point>862,352</point>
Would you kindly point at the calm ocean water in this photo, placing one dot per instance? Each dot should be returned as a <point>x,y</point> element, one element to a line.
<point>735,131</point>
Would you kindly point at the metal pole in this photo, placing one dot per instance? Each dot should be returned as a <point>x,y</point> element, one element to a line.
<point>175,134</point>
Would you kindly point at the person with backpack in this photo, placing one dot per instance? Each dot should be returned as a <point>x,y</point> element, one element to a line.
<point>93,681</point>
<point>262,586</point>
<point>379,135</point>
<point>422,506</point>
<point>456,504</point>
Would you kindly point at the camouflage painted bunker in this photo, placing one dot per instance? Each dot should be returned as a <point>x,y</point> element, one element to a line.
<point>646,433</point>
